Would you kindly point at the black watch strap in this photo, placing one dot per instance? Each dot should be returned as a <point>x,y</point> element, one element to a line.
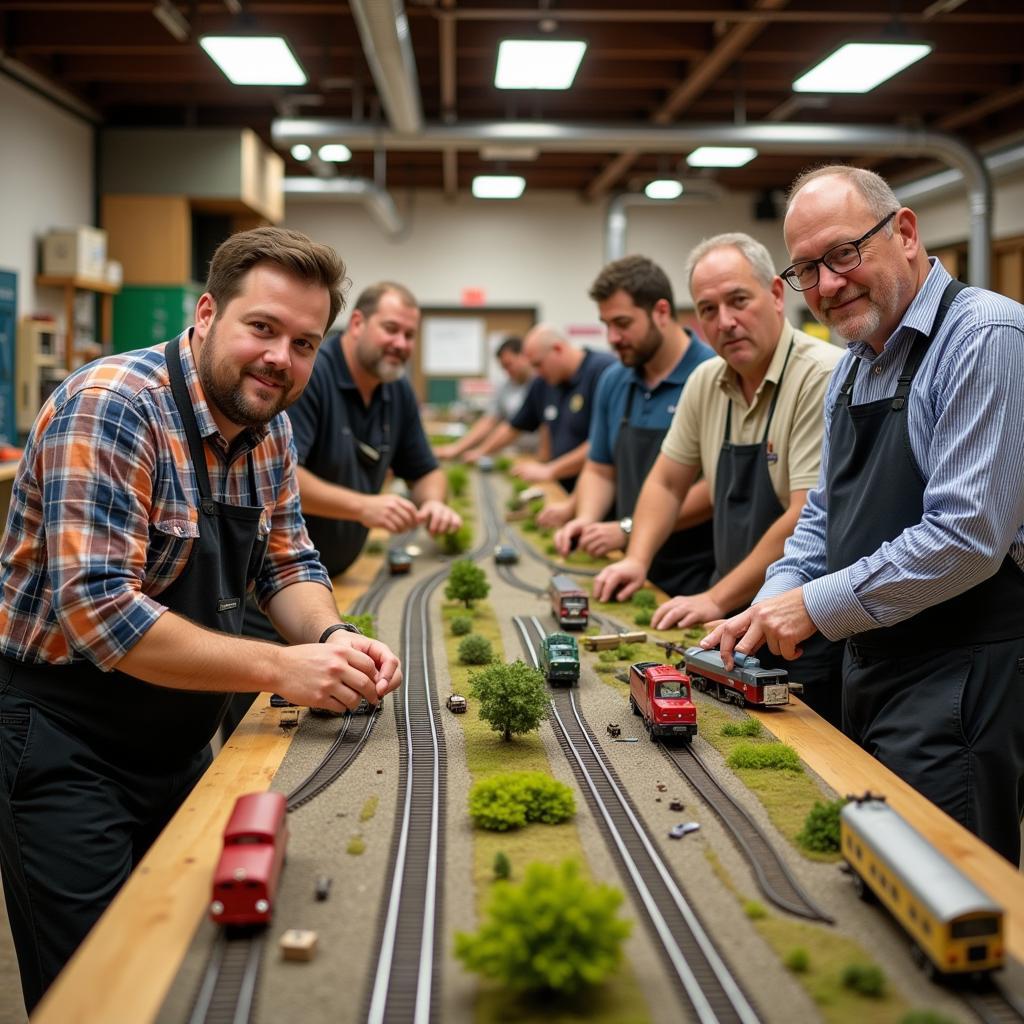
<point>347,626</point>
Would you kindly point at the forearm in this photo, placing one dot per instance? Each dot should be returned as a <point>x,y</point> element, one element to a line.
<point>595,492</point>
<point>301,612</point>
<point>475,435</point>
<point>432,486</point>
<point>503,435</point>
<point>320,498</point>
<point>570,463</point>
<point>696,508</point>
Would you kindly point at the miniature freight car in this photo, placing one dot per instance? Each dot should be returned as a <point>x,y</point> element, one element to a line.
<point>661,695</point>
<point>245,879</point>
<point>569,603</point>
<point>747,682</point>
<point>399,561</point>
<point>560,659</point>
<point>954,927</point>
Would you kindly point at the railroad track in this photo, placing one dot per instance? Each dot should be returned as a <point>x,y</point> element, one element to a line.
<point>699,971</point>
<point>994,1005</point>
<point>227,992</point>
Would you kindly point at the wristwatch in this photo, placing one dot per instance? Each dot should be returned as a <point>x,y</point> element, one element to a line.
<point>626,525</point>
<point>334,627</point>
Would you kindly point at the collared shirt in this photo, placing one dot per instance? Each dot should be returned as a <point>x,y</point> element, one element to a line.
<point>698,429</point>
<point>508,399</point>
<point>104,510</point>
<point>566,408</point>
<point>652,408</point>
<point>964,417</point>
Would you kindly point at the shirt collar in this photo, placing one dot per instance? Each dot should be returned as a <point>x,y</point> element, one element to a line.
<point>728,379</point>
<point>344,374</point>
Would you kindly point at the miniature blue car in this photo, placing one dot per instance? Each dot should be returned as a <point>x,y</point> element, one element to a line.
<point>505,554</point>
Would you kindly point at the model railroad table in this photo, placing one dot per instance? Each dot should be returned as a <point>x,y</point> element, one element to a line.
<point>125,968</point>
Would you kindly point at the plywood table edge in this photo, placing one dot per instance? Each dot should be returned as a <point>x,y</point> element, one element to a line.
<point>849,770</point>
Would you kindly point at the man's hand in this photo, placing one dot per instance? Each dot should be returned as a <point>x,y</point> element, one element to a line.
<point>388,511</point>
<point>598,539</point>
<point>337,674</point>
<point>690,610</point>
<point>556,513</point>
<point>438,517</point>
<point>447,451</point>
<point>567,537</point>
<point>532,472</point>
<point>780,621</point>
<point>621,580</point>
<point>473,456</point>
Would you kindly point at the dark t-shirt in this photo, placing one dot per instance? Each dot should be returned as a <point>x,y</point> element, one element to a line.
<point>330,420</point>
<point>566,408</point>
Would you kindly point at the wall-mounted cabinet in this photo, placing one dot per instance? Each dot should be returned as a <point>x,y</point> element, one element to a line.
<point>40,367</point>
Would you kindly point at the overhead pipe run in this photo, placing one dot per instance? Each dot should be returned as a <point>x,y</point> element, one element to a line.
<point>378,201</point>
<point>767,138</point>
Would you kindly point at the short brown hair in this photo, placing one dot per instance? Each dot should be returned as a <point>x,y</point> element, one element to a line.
<point>640,278</point>
<point>292,251</point>
<point>369,298</point>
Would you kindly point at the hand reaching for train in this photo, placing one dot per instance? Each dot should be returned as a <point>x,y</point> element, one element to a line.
<point>620,580</point>
<point>339,673</point>
<point>782,622</point>
<point>438,517</point>
<point>687,610</point>
<point>388,511</point>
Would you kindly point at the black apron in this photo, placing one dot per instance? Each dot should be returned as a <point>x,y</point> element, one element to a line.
<point>935,697</point>
<point>746,505</point>
<point>684,562</point>
<point>123,717</point>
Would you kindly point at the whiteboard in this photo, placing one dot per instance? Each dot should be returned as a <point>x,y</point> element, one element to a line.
<point>453,346</point>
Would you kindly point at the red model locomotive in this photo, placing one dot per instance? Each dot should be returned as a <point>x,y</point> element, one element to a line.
<point>246,877</point>
<point>661,694</point>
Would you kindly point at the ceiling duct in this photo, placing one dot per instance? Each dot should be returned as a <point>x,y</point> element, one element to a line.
<point>378,201</point>
<point>810,139</point>
<point>384,31</point>
<point>615,217</point>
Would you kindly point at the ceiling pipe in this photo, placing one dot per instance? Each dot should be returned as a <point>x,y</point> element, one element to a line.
<point>378,201</point>
<point>384,31</point>
<point>615,217</point>
<point>810,139</point>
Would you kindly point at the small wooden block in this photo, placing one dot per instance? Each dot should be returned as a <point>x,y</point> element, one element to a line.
<point>298,944</point>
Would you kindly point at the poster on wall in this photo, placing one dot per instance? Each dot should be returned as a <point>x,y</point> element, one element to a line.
<point>453,346</point>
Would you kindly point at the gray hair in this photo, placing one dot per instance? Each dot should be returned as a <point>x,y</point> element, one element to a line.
<point>873,188</point>
<point>752,250</point>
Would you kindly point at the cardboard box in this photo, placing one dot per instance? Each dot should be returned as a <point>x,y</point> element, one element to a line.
<point>75,252</point>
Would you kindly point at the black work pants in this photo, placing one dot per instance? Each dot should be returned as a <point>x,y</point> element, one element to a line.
<point>72,828</point>
<point>948,722</point>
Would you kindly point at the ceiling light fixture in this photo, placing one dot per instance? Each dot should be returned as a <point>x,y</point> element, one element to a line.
<point>721,156</point>
<point>300,151</point>
<point>859,67</point>
<point>498,186</point>
<point>335,153</point>
<point>172,19</point>
<point>664,188</point>
<point>254,60</point>
<point>538,63</point>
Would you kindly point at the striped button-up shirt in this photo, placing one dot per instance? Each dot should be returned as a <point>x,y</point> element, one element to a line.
<point>965,417</point>
<point>104,510</point>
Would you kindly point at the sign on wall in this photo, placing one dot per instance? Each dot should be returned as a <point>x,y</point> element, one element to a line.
<point>453,346</point>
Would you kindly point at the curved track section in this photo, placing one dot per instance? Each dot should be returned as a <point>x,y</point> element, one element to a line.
<point>702,976</point>
<point>496,528</point>
<point>774,878</point>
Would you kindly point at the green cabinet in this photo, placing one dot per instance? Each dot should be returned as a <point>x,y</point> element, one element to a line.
<point>145,315</point>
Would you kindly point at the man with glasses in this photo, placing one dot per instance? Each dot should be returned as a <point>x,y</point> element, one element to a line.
<point>912,546</point>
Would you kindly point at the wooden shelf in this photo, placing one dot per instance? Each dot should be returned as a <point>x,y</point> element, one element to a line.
<point>71,286</point>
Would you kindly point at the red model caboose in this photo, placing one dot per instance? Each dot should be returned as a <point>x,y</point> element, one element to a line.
<point>661,694</point>
<point>246,877</point>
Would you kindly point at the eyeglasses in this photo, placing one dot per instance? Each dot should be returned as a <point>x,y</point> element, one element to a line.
<point>840,259</point>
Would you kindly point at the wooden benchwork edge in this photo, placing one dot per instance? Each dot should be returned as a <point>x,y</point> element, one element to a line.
<point>123,970</point>
<point>850,770</point>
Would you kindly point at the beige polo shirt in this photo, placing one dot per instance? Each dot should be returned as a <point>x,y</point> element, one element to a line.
<point>698,427</point>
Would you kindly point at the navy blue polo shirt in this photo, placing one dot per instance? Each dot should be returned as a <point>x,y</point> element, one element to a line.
<point>566,408</point>
<point>652,408</point>
<point>329,419</point>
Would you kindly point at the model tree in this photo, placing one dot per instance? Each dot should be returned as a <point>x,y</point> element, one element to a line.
<point>513,698</point>
<point>555,931</point>
<point>466,583</point>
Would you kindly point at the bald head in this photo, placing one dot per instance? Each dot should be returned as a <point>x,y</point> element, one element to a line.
<point>551,354</point>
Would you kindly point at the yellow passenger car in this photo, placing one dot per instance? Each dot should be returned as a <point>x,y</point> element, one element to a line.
<point>956,929</point>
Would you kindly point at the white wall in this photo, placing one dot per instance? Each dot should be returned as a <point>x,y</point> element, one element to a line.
<point>46,181</point>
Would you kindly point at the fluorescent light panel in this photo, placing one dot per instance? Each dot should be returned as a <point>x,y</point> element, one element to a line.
<point>538,64</point>
<point>664,188</point>
<point>498,186</point>
<point>721,156</point>
<point>254,60</point>
<point>859,67</point>
<point>335,153</point>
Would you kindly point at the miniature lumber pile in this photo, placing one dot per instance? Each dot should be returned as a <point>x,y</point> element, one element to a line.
<point>606,641</point>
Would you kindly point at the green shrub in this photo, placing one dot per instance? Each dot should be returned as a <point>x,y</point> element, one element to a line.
<point>754,910</point>
<point>528,526</point>
<point>364,623</point>
<point>926,1017</point>
<point>462,625</point>
<point>644,599</point>
<point>821,827</point>
<point>776,756</point>
<point>476,650</point>
<point>607,657</point>
<point>512,799</point>
<point>748,727</point>
<point>553,932</point>
<point>549,549</point>
<point>625,652</point>
<point>502,464</point>
<point>642,618</point>
<point>798,960</point>
<point>373,547</point>
<point>502,866</point>
<point>864,979</point>
<point>458,478</point>
<point>458,542</point>
<point>519,485</point>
